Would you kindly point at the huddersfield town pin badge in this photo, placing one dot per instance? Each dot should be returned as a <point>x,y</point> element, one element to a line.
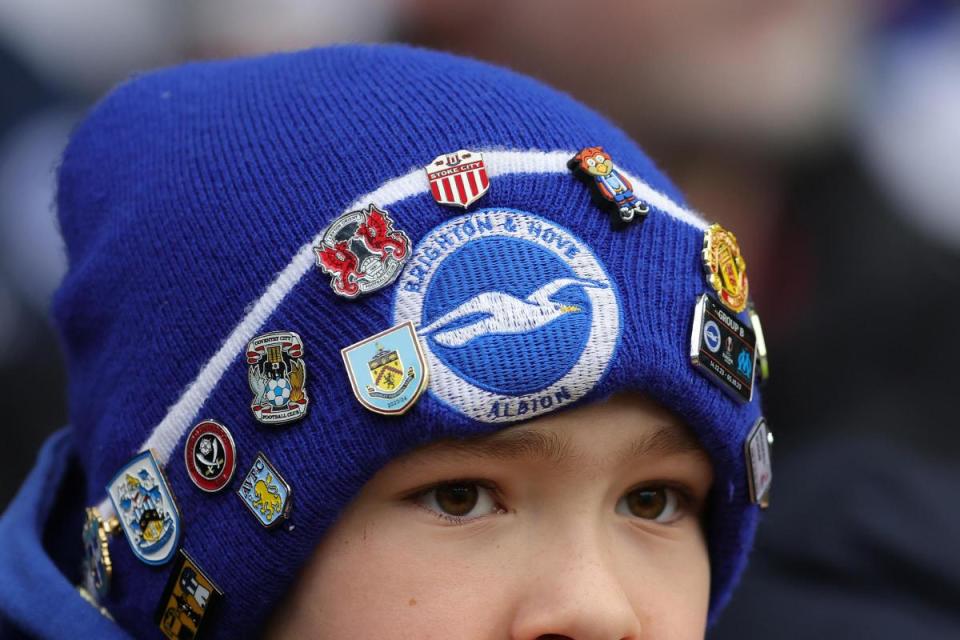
<point>97,569</point>
<point>146,509</point>
<point>188,600</point>
<point>593,164</point>
<point>759,463</point>
<point>458,179</point>
<point>266,493</point>
<point>723,348</point>
<point>277,377</point>
<point>388,371</point>
<point>362,252</point>
<point>725,268</point>
<point>210,456</point>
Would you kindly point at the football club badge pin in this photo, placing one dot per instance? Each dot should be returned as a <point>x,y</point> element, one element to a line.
<point>458,179</point>
<point>593,164</point>
<point>362,252</point>
<point>188,600</point>
<point>725,268</point>
<point>723,348</point>
<point>210,456</point>
<point>277,376</point>
<point>388,371</point>
<point>762,360</point>
<point>759,463</point>
<point>145,507</point>
<point>97,568</point>
<point>266,493</point>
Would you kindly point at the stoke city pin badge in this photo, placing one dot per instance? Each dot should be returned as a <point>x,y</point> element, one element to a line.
<point>595,166</point>
<point>210,456</point>
<point>277,376</point>
<point>266,493</point>
<point>96,568</point>
<point>146,509</point>
<point>188,600</point>
<point>362,252</point>
<point>759,463</point>
<point>387,371</point>
<point>723,348</point>
<point>458,179</point>
<point>725,268</point>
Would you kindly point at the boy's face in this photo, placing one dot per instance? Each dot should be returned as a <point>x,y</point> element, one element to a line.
<point>582,524</point>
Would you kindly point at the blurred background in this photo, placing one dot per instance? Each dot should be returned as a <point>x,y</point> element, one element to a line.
<point>824,133</point>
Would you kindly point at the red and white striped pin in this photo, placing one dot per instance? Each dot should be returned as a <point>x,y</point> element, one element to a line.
<point>458,179</point>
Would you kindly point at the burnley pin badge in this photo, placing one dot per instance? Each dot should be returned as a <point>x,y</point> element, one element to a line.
<point>387,371</point>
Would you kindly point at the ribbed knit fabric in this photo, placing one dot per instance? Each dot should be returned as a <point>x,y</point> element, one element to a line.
<point>187,191</point>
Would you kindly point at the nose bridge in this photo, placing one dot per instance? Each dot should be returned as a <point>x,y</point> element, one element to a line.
<point>574,590</point>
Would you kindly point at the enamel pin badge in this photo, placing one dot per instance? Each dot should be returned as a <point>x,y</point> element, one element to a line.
<point>362,252</point>
<point>277,376</point>
<point>759,463</point>
<point>458,179</point>
<point>266,493</point>
<point>388,371</point>
<point>725,268</point>
<point>593,164</point>
<point>146,509</point>
<point>762,359</point>
<point>188,600</point>
<point>723,348</point>
<point>210,456</point>
<point>97,569</point>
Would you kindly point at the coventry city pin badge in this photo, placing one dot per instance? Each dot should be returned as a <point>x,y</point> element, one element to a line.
<point>146,509</point>
<point>725,268</point>
<point>210,456</point>
<point>723,348</point>
<point>388,371</point>
<point>595,165</point>
<point>188,600</point>
<point>266,493</point>
<point>277,376</point>
<point>759,463</point>
<point>458,179</point>
<point>97,569</point>
<point>362,252</point>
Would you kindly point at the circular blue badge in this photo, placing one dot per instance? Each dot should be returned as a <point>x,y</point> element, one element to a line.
<point>711,335</point>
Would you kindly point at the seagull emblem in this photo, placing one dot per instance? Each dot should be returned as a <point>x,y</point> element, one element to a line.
<point>499,313</point>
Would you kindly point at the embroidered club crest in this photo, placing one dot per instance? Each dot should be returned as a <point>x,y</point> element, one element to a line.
<point>97,569</point>
<point>362,252</point>
<point>388,371</point>
<point>210,456</point>
<point>277,375</point>
<point>265,493</point>
<point>146,509</point>
<point>725,268</point>
<point>189,597</point>
<point>458,179</point>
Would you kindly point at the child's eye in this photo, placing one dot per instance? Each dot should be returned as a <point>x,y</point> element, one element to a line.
<point>459,501</point>
<point>659,504</point>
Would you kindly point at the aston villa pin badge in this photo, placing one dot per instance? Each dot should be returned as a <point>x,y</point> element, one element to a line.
<point>146,509</point>
<point>458,179</point>
<point>362,252</point>
<point>725,268</point>
<point>188,600</point>
<point>387,371</point>
<point>723,348</point>
<point>759,463</point>
<point>595,166</point>
<point>210,456</point>
<point>277,376</point>
<point>266,493</point>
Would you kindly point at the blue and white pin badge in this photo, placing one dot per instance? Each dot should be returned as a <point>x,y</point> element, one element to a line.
<point>277,375</point>
<point>266,493</point>
<point>388,371</point>
<point>145,507</point>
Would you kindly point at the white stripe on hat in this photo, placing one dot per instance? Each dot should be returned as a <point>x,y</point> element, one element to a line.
<point>180,417</point>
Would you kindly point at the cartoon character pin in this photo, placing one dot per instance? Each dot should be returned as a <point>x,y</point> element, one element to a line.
<point>725,268</point>
<point>458,179</point>
<point>210,456</point>
<point>387,371</point>
<point>188,600</point>
<point>593,163</point>
<point>277,377</point>
<point>97,568</point>
<point>146,509</point>
<point>266,493</point>
<point>362,252</point>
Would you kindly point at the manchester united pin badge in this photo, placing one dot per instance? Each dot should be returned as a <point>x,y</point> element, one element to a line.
<point>725,268</point>
<point>210,456</point>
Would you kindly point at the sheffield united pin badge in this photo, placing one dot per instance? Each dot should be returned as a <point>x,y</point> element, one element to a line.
<point>458,179</point>
<point>188,600</point>
<point>387,371</point>
<point>723,348</point>
<point>146,509</point>
<point>277,376</point>
<point>266,493</point>
<point>594,165</point>
<point>362,252</point>
<point>725,268</point>
<point>210,456</point>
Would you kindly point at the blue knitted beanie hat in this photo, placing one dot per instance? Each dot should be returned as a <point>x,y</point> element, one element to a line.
<point>197,204</point>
